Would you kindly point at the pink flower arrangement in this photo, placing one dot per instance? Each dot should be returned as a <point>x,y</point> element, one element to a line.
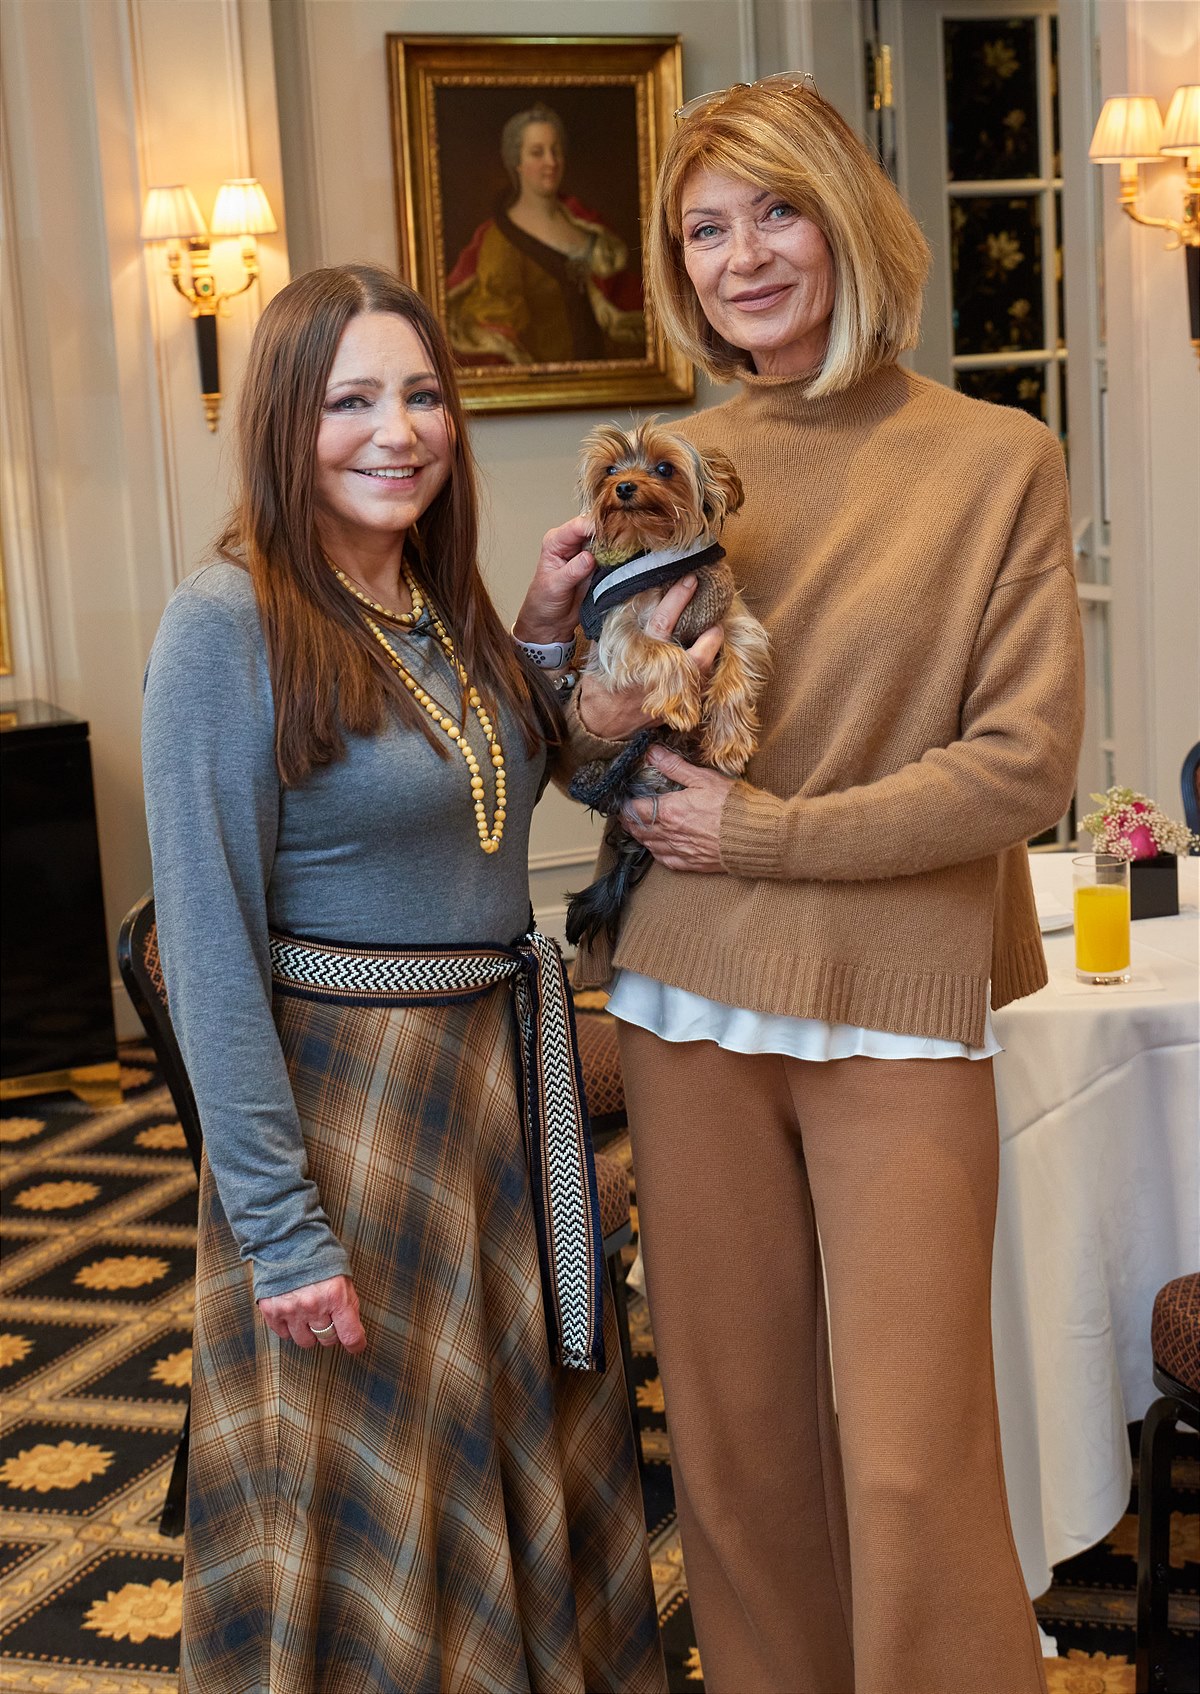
<point>1131,826</point>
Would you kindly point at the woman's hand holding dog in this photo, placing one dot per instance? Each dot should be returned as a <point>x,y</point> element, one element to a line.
<point>302,1314</point>
<point>683,830</point>
<point>614,714</point>
<point>550,610</point>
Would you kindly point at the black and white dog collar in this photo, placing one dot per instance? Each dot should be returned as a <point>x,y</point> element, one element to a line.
<point>611,587</point>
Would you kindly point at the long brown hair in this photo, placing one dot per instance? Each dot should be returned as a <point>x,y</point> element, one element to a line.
<point>328,674</point>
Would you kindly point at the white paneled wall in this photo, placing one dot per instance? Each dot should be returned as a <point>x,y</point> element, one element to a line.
<point>83,547</point>
<point>1154,418</point>
<point>112,483</point>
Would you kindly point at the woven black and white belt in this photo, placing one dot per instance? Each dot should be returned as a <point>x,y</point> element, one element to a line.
<point>566,1206</point>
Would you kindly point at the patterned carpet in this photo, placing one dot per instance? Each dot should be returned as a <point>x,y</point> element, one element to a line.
<point>97,1212</point>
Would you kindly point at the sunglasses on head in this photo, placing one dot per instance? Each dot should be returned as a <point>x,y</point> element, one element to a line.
<point>803,82</point>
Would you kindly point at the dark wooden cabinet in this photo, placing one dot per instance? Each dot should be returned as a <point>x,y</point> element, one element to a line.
<point>56,1012</point>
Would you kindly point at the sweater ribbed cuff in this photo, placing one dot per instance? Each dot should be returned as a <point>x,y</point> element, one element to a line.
<point>593,964</point>
<point>584,744</point>
<point>1019,970</point>
<point>751,829</point>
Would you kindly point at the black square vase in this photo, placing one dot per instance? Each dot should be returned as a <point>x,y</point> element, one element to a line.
<point>1154,887</point>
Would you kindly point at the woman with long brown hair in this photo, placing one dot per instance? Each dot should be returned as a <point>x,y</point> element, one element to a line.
<point>410,1469</point>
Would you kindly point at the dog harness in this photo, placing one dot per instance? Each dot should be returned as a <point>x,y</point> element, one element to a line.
<point>614,584</point>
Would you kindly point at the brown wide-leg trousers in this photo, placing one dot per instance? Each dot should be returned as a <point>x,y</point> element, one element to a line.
<point>868,1552</point>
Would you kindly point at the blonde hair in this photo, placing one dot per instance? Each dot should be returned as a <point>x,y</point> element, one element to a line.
<point>794,144</point>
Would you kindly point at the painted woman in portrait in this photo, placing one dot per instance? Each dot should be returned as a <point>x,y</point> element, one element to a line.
<point>544,281</point>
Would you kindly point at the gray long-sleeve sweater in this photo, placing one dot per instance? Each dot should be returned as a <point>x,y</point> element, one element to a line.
<point>378,848</point>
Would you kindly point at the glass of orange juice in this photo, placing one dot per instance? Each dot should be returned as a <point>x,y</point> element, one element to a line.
<point>1101,918</point>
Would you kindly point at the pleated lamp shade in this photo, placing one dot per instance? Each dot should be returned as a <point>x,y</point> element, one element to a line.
<point>242,208</point>
<point>1181,126</point>
<point>1129,129</point>
<point>171,213</point>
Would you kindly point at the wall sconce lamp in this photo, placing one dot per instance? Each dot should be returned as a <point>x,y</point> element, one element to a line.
<point>1132,131</point>
<point>171,214</point>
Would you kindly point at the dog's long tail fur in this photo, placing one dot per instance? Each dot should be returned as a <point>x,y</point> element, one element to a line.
<point>597,908</point>
<point>605,786</point>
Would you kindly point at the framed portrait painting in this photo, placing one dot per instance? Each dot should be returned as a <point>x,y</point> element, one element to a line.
<point>524,169</point>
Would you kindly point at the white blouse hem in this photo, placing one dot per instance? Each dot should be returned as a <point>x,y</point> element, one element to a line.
<point>673,1014</point>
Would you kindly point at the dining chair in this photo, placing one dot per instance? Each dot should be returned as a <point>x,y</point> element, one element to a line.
<point>142,973</point>
<point>616,1226</point>
<point>1190,783</point>
<point>1175,1345</point>
<point>601,1062</point>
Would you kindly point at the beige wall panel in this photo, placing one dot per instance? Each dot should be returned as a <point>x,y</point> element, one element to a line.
<point>79,324</point>
<point>204,98</point>
<point>1154,422</point>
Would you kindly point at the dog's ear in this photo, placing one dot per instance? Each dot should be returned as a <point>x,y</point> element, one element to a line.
<point>605,445</point>
<point>722,490</point>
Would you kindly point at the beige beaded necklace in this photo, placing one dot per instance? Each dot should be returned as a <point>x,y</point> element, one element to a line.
<point>405,618</point>
<point>489,839</point>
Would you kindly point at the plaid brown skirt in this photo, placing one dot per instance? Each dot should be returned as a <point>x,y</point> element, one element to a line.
<point>447,1511</point>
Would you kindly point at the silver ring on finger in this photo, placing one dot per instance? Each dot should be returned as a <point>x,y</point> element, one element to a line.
<point>653,811</point>
<point>328,1329</point>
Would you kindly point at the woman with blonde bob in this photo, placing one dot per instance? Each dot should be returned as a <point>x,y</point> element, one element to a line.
<point>805,978</point>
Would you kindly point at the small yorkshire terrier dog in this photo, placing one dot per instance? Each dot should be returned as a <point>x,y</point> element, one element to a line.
<point>657,506</point>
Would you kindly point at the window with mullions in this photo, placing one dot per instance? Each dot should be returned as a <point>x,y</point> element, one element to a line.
<point>1003,183</point>
<point>985,178</point>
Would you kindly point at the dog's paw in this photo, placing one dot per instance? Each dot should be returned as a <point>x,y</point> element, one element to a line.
<point>729,756</point>
<point>679,708</point>
<point>729,736</point>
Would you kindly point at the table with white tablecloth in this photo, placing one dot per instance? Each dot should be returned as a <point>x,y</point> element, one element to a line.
<point>1099,1206</point>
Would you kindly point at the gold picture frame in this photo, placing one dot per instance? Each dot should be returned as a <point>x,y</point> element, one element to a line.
<point>5,643</point>
<point>537,325</point>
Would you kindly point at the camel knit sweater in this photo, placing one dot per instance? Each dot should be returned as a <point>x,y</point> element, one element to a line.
<point>909,551</point>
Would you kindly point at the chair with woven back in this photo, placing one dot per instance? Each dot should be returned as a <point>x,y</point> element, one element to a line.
<point>142,973</point>
<point>1190,783</point>
<point>1175,1351</point>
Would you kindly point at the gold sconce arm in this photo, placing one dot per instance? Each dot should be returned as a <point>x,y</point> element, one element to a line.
<point>250,261</point>
<point>182,288</point>
<point>232,293</point>
<point>1181,230</point>
<point>1185,229</point>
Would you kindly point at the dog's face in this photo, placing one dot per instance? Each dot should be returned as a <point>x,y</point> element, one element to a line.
<point>651,489</point>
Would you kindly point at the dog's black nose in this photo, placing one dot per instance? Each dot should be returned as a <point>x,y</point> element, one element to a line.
<point>626,490</point>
